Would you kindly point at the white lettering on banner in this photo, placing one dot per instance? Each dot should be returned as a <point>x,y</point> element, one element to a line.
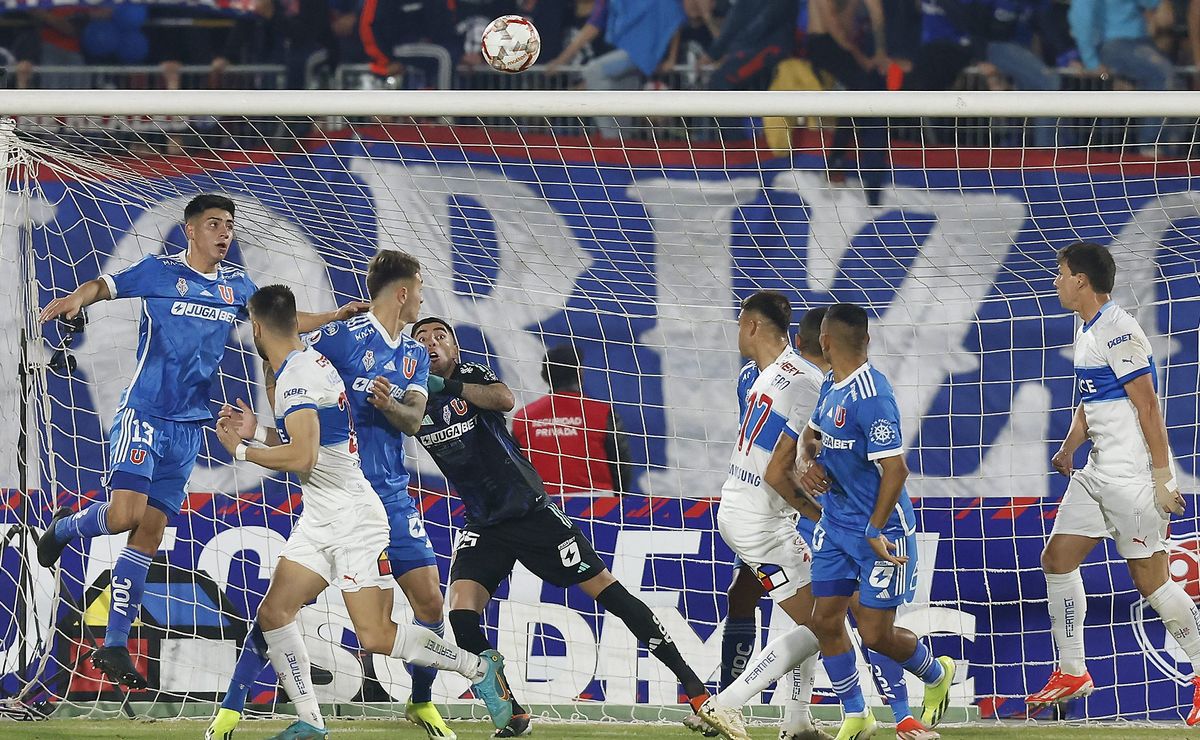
<point>414,214</point>
<point>107,349</point>
<point>694,331</point>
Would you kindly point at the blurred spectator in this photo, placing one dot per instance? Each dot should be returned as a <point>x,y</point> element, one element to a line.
<point>575,443</point>
<point>701,27</point>
<point>1010,50</point>
<point>755,37</point>
<point>347,44</point>
<point>839,46</point>
<point>53,42</point>
<point>295,33</point>
<point>641,31</point>
<point>947,44</point>
<point>471,17</point>
<point>1112,35</point>
<point>581,51</point>
<point>385,24</point>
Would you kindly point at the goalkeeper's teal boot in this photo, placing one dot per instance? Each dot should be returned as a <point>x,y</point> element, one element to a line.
<point>223,725</point>
<point>300,730</point>
<point>492,687</point>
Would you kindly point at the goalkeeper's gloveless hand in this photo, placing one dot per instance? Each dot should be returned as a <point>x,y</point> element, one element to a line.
<point>1166,493</point>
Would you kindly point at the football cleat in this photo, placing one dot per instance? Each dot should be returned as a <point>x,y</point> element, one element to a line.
<point>519,726</point>
<point>223,725</point>
<point>911,729</point>
<point>492,688</point>
<point>937,695</point>
<point>1193,717</point>
<point>812,732</point>
<point>1061,687</point>
<point>858,728</point>
<point>426,716</point>
<point>728,722</point>
<point>696,723</point>
<point>300,730</point>
<point>49,547</point>
<point>117,666</point>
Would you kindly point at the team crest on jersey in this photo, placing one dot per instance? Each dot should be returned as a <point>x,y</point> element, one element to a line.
<point>226,293</point>
<point>181,286</point>
<point>410,366</point>
<point>331,328</point>
<point>137,457</point>
<point>459,406</point>
<point>839,417</point>
<point>447,414</point>
<point>883,432</point>
<point>368,360</point>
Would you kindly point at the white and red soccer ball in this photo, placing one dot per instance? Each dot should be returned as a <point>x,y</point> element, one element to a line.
<point>511,44</point>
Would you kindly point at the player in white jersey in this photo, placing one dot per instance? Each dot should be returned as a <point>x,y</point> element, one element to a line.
<point>1127,490</point>
<point>754,518</point>
<point>342,536</point>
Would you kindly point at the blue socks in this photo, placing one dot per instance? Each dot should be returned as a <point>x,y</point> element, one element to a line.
<point>737,645</point>
<point>128,584</point>
<point>923,666</point>
<point>889,680</point>
<point>251,663</point>
<point>422,677</point>
<point>843,671</point>
<point>89,522</point>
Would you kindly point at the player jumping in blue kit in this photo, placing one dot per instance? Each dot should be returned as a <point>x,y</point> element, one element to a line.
<point>363,350</point>
<point>190,302</point>
<point>866,539</point>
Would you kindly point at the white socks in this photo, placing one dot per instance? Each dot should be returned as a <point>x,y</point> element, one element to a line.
<point>775,659</point>
<point>1068,606</point>
<point>797,713</point>
<point>1181,617</point>
<point>420,646</point>
<point>289,658</point>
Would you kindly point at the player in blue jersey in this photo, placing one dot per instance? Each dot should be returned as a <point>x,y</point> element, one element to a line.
<point>866,539</point>
<point>363,349</point>
<point>190,302</point>
<point>1127,491</point>
<point>341,538</point>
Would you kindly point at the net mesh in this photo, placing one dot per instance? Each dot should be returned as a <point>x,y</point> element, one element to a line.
<point>532,235</point>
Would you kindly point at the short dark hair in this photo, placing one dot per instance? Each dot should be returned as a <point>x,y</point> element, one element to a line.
<point>560,368</point>
<point>1092,260</point>
<point>434,320</point>
<point>204,202</point>
<point>809,334</point>
<point>274,306</point>
<point>853,319</point>
<point>772,306</point>
<point>388,266</point>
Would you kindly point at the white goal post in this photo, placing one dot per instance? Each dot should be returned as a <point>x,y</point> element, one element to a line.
<point>534,232</point>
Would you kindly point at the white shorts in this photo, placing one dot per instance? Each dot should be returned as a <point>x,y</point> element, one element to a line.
<point>1124,510</point>
<point>351,554</point>
<point>772,548</point>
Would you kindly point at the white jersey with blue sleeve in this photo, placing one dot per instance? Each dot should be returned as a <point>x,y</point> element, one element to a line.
<point>1111,350</point>
<point>336,485</point>
<point>859,422</point>
<point>185,322</point>
<point>784,390</point>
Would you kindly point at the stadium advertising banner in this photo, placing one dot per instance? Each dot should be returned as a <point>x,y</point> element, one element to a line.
<point>641,262</point>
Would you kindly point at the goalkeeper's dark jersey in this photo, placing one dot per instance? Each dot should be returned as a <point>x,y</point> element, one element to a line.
<point>479,457</point>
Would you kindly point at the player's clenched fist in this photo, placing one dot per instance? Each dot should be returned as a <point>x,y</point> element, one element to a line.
<point>814,480</point>
<point>1063,462</point>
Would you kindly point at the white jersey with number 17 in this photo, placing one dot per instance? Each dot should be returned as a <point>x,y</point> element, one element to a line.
<point>786,390</point>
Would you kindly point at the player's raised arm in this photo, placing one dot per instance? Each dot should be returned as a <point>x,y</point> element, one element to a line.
<point>306,322</point>
<point>489,393</point>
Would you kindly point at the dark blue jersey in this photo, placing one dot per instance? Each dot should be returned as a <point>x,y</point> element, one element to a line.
<point>478,455</point>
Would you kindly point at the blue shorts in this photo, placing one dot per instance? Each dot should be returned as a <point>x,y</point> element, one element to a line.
<point>843,562</point>
<point>409,547</point>
<point>153,456</point>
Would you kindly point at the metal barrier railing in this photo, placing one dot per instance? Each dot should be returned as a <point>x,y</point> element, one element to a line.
<point>155,77</point>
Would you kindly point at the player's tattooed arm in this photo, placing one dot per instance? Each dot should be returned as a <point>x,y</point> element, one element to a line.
<point>490,397</point>
<point>404,414</point>
<point>307,322</point>
<point>70,305</point>
<point>779,475</point>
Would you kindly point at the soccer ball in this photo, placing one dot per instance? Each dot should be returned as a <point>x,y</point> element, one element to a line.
<point>511,44</point>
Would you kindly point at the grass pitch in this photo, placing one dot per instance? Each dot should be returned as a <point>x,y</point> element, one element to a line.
<point>80,729</point>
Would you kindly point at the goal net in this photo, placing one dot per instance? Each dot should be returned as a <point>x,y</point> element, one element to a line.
<point>534,233</point>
